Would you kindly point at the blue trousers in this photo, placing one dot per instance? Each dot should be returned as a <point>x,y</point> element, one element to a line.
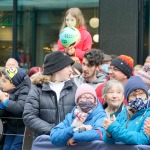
<point>12,142</point>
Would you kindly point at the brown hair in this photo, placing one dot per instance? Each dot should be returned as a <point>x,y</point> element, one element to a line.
<point>77,14</point>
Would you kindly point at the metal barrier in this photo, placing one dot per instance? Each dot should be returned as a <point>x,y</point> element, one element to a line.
<point>2,132</point>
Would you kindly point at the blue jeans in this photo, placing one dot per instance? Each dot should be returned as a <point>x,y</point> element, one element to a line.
<point>12,142</point>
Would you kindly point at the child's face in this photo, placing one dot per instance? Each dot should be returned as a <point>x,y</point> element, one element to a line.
<point>6,84</point>
<point>70,21</point>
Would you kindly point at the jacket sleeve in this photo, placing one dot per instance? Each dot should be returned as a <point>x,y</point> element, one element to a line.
<point>31,114</point>
<point>62,132</point>
<point>16,105</point>
<point>120,133</point>
<point>86,136</point>
<point>108,140</point>
<point>87,44</point>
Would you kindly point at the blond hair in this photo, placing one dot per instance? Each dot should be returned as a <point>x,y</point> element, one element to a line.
<point>77,14</point>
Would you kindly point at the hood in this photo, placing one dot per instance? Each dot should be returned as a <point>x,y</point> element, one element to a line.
<point>41,79</point>
<point>82,28</point>
<point>25,82</point>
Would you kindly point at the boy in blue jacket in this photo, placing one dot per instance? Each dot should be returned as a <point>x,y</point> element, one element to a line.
<point>84,123</point>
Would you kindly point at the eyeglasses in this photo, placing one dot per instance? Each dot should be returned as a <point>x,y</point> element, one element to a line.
<point>113,69</point>
<point>134,95</point>
<point>85,98</point>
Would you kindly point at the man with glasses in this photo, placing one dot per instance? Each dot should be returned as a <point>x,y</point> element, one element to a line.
<point>121,69</point>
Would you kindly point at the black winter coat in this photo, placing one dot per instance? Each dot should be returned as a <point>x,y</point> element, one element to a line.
<point>15,106</point>
<point>42,111</point>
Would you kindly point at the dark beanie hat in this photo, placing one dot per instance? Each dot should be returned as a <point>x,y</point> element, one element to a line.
<point>56,61</point>
<point>124,63</point>
<point>133,83</point>
<point>15,75</point>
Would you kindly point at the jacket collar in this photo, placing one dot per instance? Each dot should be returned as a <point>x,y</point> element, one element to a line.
<point>46,86</point>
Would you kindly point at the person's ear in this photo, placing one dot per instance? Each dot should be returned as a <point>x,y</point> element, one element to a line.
<point>125,77</point>
<point>13,86</point>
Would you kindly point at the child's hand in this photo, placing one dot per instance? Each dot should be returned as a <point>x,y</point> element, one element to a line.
<point>88,127</point>
<point>76,59</point>
<point>71,50</point>
<point>3,96</point>
<point>147,126</point>
<point>71,142</point>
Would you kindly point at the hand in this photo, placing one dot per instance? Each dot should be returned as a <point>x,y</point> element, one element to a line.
<point>107,123</point>
<point>76,59</point>
<point>147,126</point>
<point>71,51</point>
<point>87,127</point>
<point>3,96</point>
<point>113,118</point>
<point>71,142</point>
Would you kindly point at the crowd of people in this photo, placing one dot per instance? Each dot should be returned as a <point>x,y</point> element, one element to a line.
<point>97,98</point>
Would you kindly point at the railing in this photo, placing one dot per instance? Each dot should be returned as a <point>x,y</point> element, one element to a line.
<point>43,143</point>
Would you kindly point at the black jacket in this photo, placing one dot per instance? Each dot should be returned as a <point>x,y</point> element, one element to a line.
<point>42,111</point>
<point>15,106</point>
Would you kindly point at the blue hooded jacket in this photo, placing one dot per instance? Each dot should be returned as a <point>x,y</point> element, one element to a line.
<point>64,131</point>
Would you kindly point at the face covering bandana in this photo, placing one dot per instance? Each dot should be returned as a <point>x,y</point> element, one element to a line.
<point>138,103</point>
<point>105,68</point>
<point>86,106</point>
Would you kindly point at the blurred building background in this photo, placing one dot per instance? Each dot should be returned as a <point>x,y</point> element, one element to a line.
<point>27,27</point>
